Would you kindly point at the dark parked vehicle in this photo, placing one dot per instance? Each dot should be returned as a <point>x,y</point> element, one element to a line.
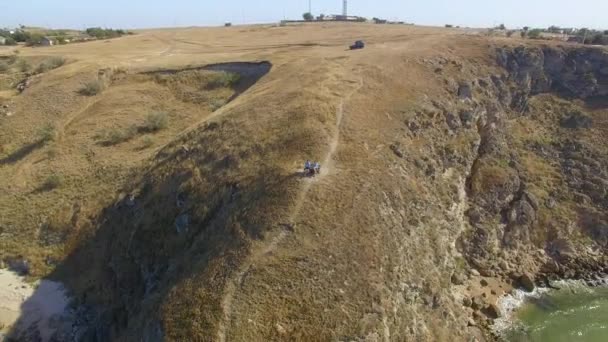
<point>359,44</point>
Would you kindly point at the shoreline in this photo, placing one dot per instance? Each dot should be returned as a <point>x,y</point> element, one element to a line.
<point>510,303</point>
<point>30,308</point>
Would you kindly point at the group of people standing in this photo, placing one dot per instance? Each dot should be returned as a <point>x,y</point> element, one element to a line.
<point>311,168</point>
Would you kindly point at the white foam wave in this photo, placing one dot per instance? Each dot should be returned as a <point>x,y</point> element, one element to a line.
<point>510,303</point>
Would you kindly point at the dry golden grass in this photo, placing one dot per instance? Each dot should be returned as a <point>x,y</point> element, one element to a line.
<point>365,237</point>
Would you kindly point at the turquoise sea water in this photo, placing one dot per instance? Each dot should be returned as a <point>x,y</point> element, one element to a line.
<point>574,313</point>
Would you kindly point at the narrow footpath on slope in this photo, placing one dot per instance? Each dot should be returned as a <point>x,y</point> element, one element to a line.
<point>231,286</point>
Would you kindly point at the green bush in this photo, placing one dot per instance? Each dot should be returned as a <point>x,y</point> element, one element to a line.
<point>216,104</point>
<point>47,133</point>
<point>10,41</point>
<point>92,88</point>
<point>116,136</point>
<point>155,121</point>
<point>33,39</point>
<point>599,39</point>
<point>52,182</point>
<point>308,16</point>
<point>100,33</point>
<point>535,34</point>
<point>223,80</point>
<point>147,142</point>
<point>21,36</point>
<point>12,59</point>
<point>24,66</point>
<point>50,64</point>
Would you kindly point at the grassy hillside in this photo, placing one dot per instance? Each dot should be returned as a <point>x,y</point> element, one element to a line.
<point>159,178</point>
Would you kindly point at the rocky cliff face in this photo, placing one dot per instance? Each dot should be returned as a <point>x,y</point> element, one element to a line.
<point>537,191</point>
<point>576,73</point>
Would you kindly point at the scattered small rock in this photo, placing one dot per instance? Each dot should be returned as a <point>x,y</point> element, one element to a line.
<point>467,302</point>
<point>483,282</point>
<point>471,322</point>
<point>452,121</point>
<point>395,148</point>
<point>280,329</point>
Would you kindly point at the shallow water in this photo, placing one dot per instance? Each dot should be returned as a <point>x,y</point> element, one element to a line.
<point>574,313</point>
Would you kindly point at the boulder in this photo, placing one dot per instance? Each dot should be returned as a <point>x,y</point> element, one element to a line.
<point>492,311</point>
<point>526,281</point>
<point>467,302</point>
<point>483,282</point>
<point>465,91</point>
<point>478,303</point>
<point>452,121</point>
<point>458,279</point>
<point>576,120</point>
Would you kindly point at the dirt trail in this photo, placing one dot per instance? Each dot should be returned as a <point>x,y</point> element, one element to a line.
<point>231,286</point>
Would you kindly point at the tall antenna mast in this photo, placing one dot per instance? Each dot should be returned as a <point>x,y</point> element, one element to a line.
<point>345,8</point>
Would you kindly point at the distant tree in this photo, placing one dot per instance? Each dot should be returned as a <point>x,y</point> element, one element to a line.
<point>321,16</point>
<point>510,33</point>
<point>501,27</point>
<point>449,25</point>
<point>34,39</point>
<point>526,28</point>
<point>308,16</point>
<point>10,41</point>
<point>583,32</point>
<point>535,33</point>
<point>100,33</point>
<point>599,39</point>
<point>21,36</point>
<point>606,32</point>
